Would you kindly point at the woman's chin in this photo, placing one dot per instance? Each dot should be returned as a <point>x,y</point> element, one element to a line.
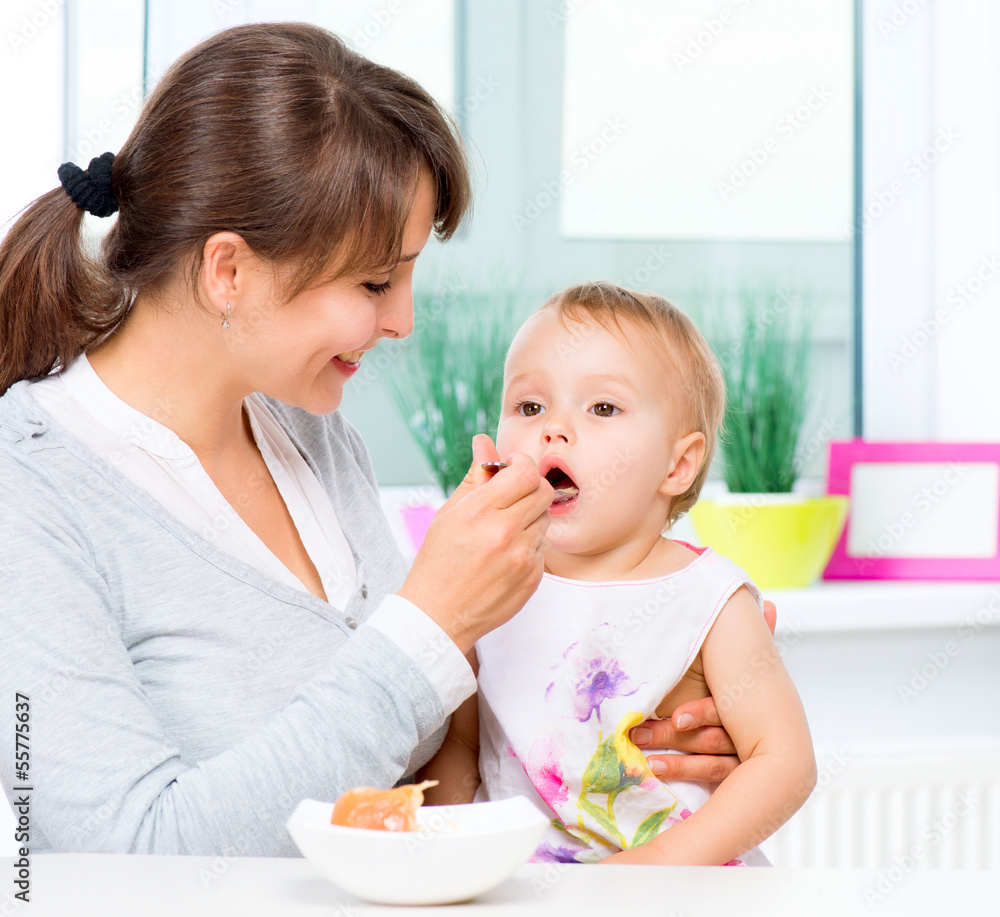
<point>318,403</point>
<point>325,406</point>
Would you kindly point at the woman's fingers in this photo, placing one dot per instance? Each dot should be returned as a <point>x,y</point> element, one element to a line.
<point>538,529</point>
<point>701,768</point>
<point>712,756</point>
<point>696,713</point>
<point>693,727</point>
<point>704,740</point>
<point>481,558</point>
<point>519,483</point>
<point>483,450</point>
<point>770,614</point>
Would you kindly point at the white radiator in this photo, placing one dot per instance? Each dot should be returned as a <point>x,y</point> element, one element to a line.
<point>898,812</point>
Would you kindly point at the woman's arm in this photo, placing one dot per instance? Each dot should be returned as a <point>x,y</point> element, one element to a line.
<point>456,765</point>
<point>107,765</point>
<point>109,773</point>
<point>760,709</point>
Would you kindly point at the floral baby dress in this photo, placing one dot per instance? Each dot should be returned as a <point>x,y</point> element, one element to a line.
<point>563,681</point>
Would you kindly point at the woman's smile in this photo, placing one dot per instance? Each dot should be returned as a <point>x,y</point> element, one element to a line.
<point>348,363</point>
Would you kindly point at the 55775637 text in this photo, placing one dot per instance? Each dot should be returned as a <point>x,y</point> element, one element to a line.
<point>21,800</point>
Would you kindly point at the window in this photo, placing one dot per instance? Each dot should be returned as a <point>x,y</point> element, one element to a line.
<point>572,160</point>
<point>701,121</point>
<point>415,36</point>
<point>530,84</point>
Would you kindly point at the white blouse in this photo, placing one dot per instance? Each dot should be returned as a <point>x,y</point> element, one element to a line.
<point>157,460</point>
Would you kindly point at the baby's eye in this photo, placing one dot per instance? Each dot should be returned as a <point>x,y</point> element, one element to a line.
<point>605,409</point>
<point>528,408</point>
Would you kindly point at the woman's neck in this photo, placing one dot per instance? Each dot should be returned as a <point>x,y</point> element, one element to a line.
<point>171,365</point>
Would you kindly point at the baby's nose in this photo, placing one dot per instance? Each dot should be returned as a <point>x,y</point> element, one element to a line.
<point>556,429</point>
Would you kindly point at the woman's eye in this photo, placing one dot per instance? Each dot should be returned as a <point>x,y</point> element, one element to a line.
<point>605,409</point>
<point>528,408</point>
<point>378,288</point>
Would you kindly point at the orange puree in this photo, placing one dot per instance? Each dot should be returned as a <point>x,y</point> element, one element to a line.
<point>383,810</point>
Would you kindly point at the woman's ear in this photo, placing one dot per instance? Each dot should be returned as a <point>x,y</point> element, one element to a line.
<point>226,268</point>
<point>685,461</point>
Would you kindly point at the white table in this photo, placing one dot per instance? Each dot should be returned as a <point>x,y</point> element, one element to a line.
<point>105,884</point>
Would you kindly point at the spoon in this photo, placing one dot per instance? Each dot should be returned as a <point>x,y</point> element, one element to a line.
<point>568,492</point>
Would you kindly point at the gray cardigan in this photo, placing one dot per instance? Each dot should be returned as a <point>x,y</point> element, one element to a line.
<point>180,700</point>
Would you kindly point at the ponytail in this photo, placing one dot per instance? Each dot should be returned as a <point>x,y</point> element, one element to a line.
<point>55,301</point>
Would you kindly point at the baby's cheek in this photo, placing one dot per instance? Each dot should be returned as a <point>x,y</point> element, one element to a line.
<point>504,438</point>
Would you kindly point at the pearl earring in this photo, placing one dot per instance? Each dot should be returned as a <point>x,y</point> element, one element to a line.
<point>225,318</point>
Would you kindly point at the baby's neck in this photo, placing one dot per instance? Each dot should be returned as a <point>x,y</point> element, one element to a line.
<point>645,559</point>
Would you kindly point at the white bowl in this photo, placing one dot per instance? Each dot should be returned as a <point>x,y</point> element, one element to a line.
<point>459,852</point>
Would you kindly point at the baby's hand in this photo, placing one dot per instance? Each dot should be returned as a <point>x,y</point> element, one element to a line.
<point>645,855</point>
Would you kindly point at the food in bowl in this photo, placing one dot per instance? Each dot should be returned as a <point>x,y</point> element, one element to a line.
<point>456,853</point>
<point>381,810</point>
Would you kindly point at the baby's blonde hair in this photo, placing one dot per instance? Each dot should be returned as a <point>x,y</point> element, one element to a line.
<point>686,353</point>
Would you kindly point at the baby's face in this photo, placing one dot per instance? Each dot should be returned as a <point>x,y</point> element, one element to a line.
<point>596,412</point>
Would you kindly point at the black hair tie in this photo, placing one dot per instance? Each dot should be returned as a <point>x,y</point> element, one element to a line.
<point>91,190</point>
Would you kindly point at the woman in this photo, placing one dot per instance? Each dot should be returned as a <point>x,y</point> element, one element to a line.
<point>203,605</point>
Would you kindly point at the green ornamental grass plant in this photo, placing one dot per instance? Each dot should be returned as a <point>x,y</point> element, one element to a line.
<point>448,384</point>
<point>766,359</point>
<point>766,368</point>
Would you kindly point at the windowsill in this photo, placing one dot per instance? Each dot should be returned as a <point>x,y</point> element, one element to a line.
<point>833,606</point>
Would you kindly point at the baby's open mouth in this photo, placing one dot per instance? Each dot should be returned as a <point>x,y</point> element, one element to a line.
<point>565,486</point>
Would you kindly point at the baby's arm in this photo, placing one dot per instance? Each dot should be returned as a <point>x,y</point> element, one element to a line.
<point>456,764</point>
<point>761,710</point>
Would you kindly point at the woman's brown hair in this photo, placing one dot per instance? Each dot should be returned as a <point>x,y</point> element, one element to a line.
<point>694,374</point>
<point>275,131</point>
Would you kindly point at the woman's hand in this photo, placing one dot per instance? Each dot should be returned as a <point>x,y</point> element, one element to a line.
<point>693,727</point>
<point>481,558</point>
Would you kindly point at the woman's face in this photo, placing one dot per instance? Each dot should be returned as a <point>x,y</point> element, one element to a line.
<point>304,351</point>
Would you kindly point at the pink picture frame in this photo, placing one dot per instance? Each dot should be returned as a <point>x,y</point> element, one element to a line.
<point>844,456</point>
